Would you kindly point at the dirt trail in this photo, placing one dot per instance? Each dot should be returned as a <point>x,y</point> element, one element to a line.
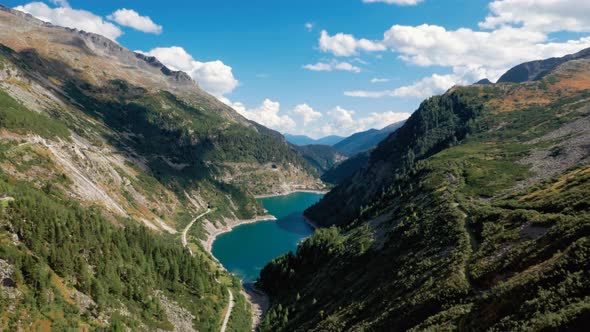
<point>185,231</point>
<point>230,307</point>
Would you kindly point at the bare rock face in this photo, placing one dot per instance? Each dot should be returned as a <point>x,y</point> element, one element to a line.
<point>7,283</point>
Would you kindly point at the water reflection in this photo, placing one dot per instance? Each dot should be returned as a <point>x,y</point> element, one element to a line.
<point>295,223</point>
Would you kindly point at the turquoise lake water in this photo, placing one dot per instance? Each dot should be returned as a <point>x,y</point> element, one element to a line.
<point>248,248</point>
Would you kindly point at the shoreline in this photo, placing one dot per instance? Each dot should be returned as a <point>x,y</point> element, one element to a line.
<point>258,300</point>
<point>286,193</point>
<point>208,244</point>
<point>311,223</point>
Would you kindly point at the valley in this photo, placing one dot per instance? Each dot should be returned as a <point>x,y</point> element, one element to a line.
<point>137,193</point>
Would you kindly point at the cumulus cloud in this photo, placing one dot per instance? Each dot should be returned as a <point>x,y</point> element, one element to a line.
<point>487,53</point>
<point>131,18</point>
<point>380,80</point>
<point>267,114</point>
<point>307,113</point>
<point>346,45</point>
<point>333,65</point>
<point>396,2</point>
<point>214,77</point>
<point>426,87</point>
<point>343,122</point>
<point>342,117</point>
<point>71,18</point>
<point>304,120</point>
<point>61,3</point>
<point>309,26</point>
<point>381,120</point>
<point>517,32</point>
<point>540,15</point>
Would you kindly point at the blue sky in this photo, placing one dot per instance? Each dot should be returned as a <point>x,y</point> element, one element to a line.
<point>376,61</point>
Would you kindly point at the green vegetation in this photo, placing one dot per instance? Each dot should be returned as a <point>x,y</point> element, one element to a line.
<point>116,267</point>
<point>345,169</point>
<point>459,239</point>
<point>162,120</point>
<point>71,265</point>
<point>15,117</point>
<point>320,157</point>
<point>241,318</point>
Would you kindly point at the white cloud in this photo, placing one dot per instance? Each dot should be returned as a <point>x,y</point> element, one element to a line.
<point>428,86</point>
<point>380,80</point>
<point>342,117</point>
<point>342,122</point>
<point>540,15</point>
<point>424,88</point>
<point>267,114</point>
<point>131,18</point>
<point>382,120</point>
<point>487,53</point>
<point>346,45</point>
<point>333,65</point>
<point>518,32</point>
<point>307,121</point>
<point>71,18</point>
<point>61,3</point>
<point>309,26</point>
<point>214,77</point>
<point>396,2</point>
<point>307,113</point>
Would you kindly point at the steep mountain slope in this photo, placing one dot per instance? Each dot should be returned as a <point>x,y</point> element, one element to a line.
<point>472,216</point>
<point>345,169</point>
<point>365,140</point>
<point>321,157</point>
<point>105,154</point>
<point>305,140</point>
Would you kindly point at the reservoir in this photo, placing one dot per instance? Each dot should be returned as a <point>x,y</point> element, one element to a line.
<point>248,248</point>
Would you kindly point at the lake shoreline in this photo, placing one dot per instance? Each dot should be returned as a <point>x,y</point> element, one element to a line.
<point>258,300</point>
<point>287,193</point>
<point>230,225</point>
<point>311,223</point>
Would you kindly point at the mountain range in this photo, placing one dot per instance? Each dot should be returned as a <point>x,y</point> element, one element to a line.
<point>474,215</point>
<point>306,140</point>
<point>106,155</point>
<point>116,172</point>
<point>365,140</point>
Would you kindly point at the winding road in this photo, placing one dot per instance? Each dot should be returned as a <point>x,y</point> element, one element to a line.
<point>230,306</point>
<point>185,231</point>
<point>231,303</point>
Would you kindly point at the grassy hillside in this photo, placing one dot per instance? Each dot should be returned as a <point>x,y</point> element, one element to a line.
<point>472,216</point>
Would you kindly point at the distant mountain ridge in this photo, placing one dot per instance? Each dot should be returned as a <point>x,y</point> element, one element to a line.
<point>536,70</point>
<point>306,140</point>
<point>346,168</point>
<point>321,157</point>
<point>365,140</point>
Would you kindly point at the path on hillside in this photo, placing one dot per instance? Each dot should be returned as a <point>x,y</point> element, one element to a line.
<point>185,231</point>
<point>230,307</point>
<point>231,303</point>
